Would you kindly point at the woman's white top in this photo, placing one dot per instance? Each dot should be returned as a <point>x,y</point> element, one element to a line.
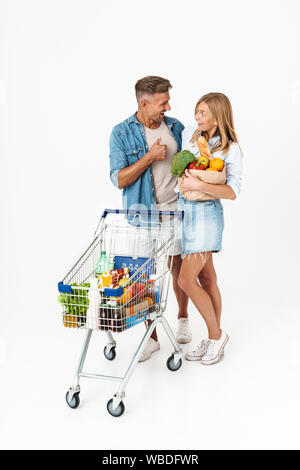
<point>233,158</point>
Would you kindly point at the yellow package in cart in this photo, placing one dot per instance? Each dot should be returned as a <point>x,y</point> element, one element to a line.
<point>112,278</point>
<point>70,321</point>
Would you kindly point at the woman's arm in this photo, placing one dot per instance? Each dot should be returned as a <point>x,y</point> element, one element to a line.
<point>220,191</point>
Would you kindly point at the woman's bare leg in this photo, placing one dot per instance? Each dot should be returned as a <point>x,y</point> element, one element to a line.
<point>191,267</point>
<point>182,298</point>
<point>208,280</point>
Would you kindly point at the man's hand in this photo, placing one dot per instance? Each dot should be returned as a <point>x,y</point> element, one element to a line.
<point>131,173</point>
<point>158,152</point>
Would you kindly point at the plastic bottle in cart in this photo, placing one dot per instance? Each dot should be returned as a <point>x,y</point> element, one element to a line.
<point>117,318</point>
<point>103,264</point>
<point>111,264</point>
<point>104,322</point>
<point>92,313</point>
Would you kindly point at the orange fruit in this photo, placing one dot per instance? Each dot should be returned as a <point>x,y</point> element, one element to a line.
<point>211,169</point>
<point>216,163</point>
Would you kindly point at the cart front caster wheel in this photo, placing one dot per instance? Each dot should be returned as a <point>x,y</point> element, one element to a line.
<point>117,412</point>
<point>171,364</point>
<point>74,403</point>
<point>110,354</point>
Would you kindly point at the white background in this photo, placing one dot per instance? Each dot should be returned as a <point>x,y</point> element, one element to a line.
<point>67,75</point>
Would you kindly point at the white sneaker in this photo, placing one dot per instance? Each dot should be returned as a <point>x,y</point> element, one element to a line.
<point>215,348</point>
<point>150,348</point>
<point>198,353</point>
<point>184,334</point>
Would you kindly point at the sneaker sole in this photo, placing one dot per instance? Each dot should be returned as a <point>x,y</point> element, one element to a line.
<point>217,358</point>
<point>183,341</point>
<point>193,358</point>
<point>199,358</point>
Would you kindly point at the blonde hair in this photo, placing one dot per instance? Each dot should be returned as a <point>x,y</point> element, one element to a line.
<point>220,107</point>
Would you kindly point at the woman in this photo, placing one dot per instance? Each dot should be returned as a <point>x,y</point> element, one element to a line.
<point>203,220</point>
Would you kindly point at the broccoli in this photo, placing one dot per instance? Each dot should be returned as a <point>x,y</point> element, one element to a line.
<point>181,161</point>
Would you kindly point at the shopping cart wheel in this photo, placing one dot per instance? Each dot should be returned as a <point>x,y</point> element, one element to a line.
<point>74,403</point>
<point>110,354</point>
<point>118,411</point>
<point>171,363</point>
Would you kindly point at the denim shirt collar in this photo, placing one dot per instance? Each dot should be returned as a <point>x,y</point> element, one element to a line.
<point>169,121</point>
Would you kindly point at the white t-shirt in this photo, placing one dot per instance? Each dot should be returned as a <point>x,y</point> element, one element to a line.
<point>164,181</point>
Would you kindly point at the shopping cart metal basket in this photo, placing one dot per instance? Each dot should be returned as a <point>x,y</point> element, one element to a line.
<point>134,248</point>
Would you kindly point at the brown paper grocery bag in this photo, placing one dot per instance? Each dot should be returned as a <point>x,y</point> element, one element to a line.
<point>213,177</point>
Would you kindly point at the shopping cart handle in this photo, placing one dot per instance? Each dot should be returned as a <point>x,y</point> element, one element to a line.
<point>64,288</point>
<point>116,292</point>
<point>179,214</point>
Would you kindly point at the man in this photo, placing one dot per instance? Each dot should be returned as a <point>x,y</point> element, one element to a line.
<point>141,152</point>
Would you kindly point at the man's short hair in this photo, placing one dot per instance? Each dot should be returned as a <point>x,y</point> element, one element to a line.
<point>151,85</point>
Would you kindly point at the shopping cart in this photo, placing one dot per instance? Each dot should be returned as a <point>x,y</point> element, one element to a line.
<point>134,247</point>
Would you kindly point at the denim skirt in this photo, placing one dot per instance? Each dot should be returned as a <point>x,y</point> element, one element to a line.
<point>202,225</point>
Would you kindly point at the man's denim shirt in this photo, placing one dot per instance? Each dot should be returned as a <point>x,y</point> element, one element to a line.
<point>127,145</point>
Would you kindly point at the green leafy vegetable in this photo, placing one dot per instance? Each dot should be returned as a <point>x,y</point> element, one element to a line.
<point>180,161</point>
<point>77,302</point>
